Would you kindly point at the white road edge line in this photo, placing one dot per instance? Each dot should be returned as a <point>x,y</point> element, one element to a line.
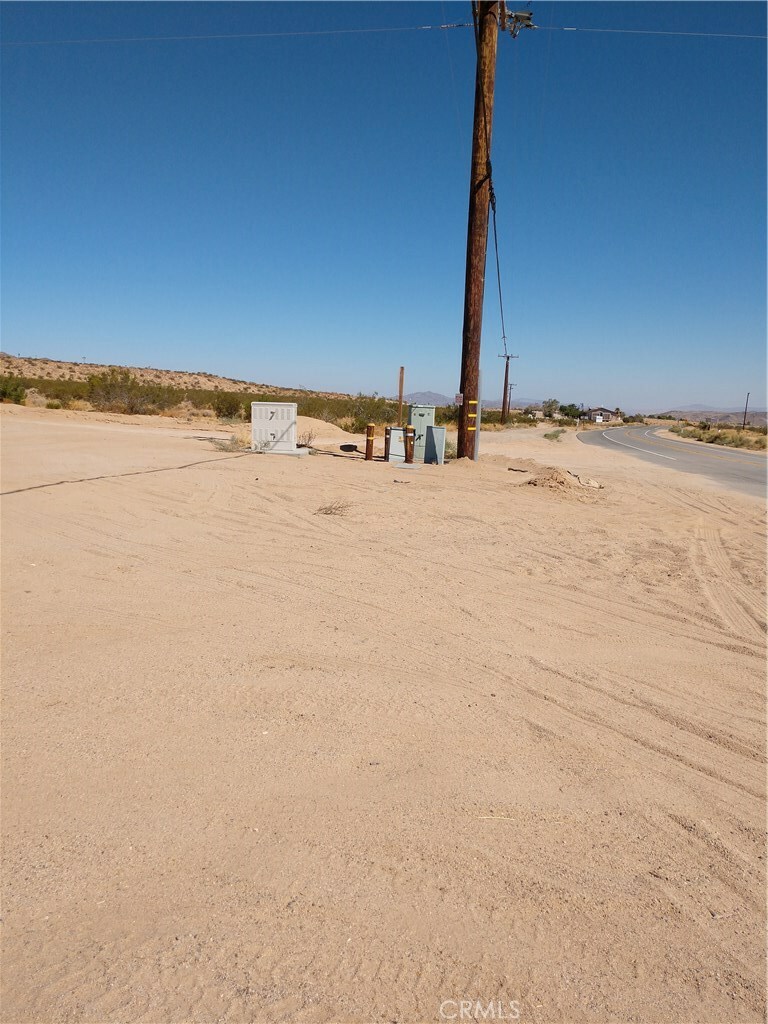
<point>633,446</point>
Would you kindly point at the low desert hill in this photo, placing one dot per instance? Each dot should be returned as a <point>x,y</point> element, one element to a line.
<point>56,369</point>
<point>756,418</point>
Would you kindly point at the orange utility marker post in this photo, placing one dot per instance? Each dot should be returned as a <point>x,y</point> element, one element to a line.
<point>370,430</point>
<point>410,440</point>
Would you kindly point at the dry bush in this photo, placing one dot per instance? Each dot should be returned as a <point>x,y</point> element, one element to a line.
<point>334,508</point>
<point>306,439</point>
<point>34,399</point>
<point>232,444</point>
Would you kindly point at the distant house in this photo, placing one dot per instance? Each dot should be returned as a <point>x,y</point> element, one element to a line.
<point>601,415</point>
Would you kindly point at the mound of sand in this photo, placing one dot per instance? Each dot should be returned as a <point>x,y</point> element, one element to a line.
<point>557,479</point>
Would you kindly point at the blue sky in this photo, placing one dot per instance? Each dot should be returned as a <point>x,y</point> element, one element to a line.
<point>292,209</point>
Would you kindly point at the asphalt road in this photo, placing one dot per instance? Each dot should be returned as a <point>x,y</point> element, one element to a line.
<point>730,467</point>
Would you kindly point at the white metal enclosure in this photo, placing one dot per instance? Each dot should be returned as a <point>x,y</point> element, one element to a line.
<point>273,426</point>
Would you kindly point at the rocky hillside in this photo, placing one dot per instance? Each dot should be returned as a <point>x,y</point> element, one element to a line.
<point>55,369</point>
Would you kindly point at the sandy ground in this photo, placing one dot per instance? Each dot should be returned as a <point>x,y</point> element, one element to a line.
<point>470,739</point>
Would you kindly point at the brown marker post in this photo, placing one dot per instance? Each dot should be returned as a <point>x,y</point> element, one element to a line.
<point>387,442</point>
<point>410,440</point>
<point>370,430</point>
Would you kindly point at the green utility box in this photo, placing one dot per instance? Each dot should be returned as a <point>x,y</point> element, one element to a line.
<point>421,417</point>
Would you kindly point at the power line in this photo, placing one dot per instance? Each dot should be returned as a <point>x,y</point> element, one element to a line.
<point>239,35</point>
<point>363,31</point>
<point>650,32</point>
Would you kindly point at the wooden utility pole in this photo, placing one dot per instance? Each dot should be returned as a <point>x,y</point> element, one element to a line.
<point>505,394</point>
<point>746,406</point>
<point>487,29</point>
<point>400,398</point>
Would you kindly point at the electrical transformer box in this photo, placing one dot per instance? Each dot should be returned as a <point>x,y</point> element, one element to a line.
<point>435,451</point>
<point>397,445</point>
<point>273,426</point>
<point>421,417</point>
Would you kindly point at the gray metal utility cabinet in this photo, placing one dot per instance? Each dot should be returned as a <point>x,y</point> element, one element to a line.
<point>435,451</point>
<point>397,445</point>
<point>273,428</point>
<point>421,417</point>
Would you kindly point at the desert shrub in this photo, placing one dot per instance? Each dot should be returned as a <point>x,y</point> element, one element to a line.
<point>228,405</point>
<point>733,437</point>
<point>450,451</point>
<point>232,444</point>
<point>64,391</point>
<point>371,409</point>
<point>446,414</point>
<point>554,435</point>
<point>354,412</point>
<point>53,403</point>
<point>334,508</point>
<point>12,389</point>
<point>116,391</point>
<point>449,415</point>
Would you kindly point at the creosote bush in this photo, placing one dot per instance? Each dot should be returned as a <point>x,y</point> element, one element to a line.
<point>12,389</point>
<point>753,438</point>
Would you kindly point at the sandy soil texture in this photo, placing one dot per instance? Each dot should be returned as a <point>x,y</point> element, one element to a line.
<point>480,733</point>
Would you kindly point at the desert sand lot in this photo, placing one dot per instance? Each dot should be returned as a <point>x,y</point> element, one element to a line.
<point>471,739</point>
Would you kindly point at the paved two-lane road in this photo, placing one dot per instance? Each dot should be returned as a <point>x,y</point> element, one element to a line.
<point>730,467</point>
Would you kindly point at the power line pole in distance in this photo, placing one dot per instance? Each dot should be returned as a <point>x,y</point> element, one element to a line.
<point>505,393</point>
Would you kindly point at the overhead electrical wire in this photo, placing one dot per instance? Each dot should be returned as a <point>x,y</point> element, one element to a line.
<point>365,31</point>
<point>654,32</point>
<point>236,35</point>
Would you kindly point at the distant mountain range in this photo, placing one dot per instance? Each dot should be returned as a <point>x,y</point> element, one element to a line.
<point>714,408</point>
<point>428,398</point>
<point>755,417</point>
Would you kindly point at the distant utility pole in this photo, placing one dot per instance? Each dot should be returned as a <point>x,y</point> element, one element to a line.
<point>488,18</point>
<point>746,406</point>
<point>505,393</point>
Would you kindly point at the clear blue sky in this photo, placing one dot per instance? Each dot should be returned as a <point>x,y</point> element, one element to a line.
<point>292,210</point>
